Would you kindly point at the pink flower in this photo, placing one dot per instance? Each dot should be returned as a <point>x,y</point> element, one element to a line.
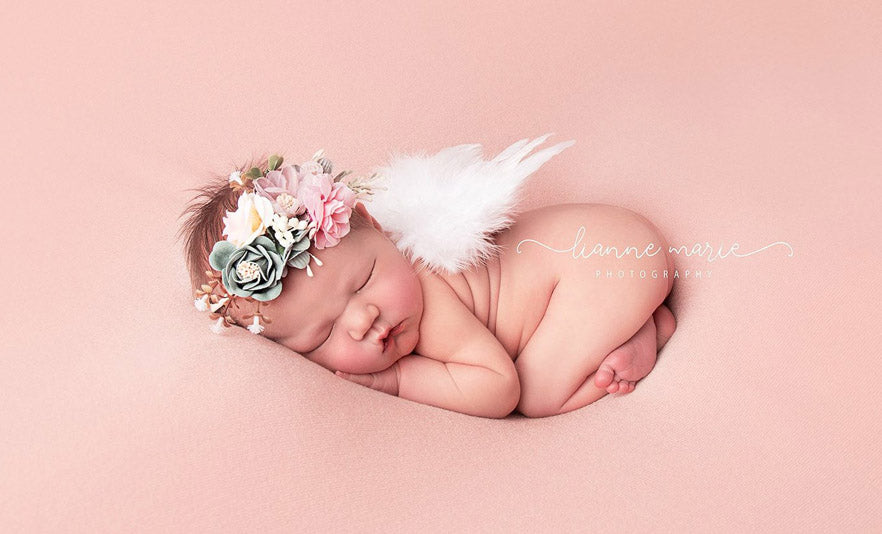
<point>280,188</point>
<point>329,205</point>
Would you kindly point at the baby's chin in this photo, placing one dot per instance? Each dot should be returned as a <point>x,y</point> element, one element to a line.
<point>395,353</point>
<point>390,359</point>
<point>404,345</point>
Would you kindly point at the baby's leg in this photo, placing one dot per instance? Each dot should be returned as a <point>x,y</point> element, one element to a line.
<point>631,361</point>
<point>587,320</point>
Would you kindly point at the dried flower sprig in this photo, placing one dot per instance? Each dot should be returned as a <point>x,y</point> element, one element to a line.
<point>364,187</point>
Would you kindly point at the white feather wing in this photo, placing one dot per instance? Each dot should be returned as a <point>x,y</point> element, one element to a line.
<point>444,209</point>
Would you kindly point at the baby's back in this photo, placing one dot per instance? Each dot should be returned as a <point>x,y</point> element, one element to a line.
<point>510,294</point>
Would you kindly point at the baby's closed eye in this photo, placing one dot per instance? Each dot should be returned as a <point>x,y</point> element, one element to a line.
<point>370,275</point>
<point>368,279</point>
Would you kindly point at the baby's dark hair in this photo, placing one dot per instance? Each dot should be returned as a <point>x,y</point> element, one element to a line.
<point>204,226</point>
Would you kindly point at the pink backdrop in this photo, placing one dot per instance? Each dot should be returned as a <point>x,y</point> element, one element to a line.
<point>751,123</point>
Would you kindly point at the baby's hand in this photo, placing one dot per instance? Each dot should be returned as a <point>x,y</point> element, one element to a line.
<point>385,380</point>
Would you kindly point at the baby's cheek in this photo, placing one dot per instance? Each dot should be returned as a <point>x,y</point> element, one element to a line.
<point>406,289</point>
<point>341,357</point>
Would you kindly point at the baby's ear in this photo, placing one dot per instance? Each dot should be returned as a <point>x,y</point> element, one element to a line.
<point>359,207</point>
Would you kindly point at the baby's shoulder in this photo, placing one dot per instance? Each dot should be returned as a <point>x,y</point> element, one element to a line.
<point>447,324</point>
<point>439,297</point>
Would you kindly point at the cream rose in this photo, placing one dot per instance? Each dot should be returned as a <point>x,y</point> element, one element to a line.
<point>251,218</point>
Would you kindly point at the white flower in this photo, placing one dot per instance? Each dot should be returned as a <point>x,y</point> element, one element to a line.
<point>280,223</point>
<point>218,326</point>
<point>283,226</point>
<point>236,177</point>
<point>255,327</point>
<point>286,239</point>
<point>219,304</point>
<point>201,304</point>
<point>251,218</point>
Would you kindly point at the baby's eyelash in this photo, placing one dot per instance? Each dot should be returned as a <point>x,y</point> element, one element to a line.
<point>371,274</point>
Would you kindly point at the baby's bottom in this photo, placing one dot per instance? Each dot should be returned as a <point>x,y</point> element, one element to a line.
<point>598,334</point>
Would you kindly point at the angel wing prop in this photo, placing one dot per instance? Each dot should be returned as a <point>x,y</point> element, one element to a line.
<point>444,209</point>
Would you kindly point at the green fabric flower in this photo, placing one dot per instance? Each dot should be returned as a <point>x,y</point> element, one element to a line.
<point>254,270</point>
<point>298,252</point>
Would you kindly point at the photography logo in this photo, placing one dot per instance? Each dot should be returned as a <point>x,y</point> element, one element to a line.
<point>584,251</point>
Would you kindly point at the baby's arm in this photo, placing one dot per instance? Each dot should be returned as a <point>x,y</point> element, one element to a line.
<point>459,364</point>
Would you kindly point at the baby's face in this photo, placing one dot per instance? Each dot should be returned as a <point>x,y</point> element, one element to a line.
<point>338,317</point>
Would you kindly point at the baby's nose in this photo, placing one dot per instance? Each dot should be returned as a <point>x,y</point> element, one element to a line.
<point>366,323</point>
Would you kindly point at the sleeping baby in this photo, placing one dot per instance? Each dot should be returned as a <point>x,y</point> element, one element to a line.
<point>523,312</point>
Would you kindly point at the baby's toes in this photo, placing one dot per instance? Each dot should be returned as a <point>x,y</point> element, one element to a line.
<point>604,376</point>
<point>625,386</point>
<point>613,387</point>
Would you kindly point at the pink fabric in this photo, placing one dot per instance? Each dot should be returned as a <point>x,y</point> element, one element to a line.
<point>721,123</point>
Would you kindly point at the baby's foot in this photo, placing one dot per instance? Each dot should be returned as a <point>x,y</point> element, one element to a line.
<point>623,367</point>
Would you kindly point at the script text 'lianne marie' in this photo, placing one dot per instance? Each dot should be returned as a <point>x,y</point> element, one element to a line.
<point>579,250</point>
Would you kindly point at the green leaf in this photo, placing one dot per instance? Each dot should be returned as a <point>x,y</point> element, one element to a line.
<point>299,261</point>
<point>270,293</point>
<point>254,173</point>
<point>275,162</point>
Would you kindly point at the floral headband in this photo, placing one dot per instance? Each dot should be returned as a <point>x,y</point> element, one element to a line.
<point>282,211</point>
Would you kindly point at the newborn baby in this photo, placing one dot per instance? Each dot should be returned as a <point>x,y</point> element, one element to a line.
<point>540,328</point>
